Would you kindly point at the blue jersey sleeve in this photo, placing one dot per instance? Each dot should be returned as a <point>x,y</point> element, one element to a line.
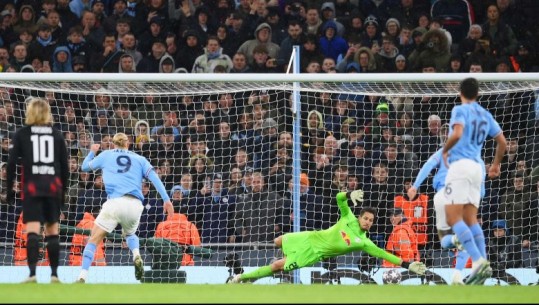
<point>158,185</point>
<point>91,164</point>
<point>457,116</point>
<point>495,128</point>
<point>432,163</point>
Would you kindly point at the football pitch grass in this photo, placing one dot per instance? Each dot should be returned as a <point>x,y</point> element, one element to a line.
<point>248,293</point>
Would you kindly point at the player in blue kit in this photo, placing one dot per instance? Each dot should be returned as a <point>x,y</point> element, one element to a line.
<point>447,238</point>
<point>123,173</point>
<point>470,125</point>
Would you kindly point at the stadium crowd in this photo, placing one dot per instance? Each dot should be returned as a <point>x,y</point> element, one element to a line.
<point>196,36</point>
<point>226,158</point>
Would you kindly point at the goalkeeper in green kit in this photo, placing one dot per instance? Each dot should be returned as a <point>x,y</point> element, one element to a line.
<point>349,234</point>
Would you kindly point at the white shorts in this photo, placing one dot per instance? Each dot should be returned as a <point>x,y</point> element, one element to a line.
<point>125,211</point>
<point>463,182</point>
<point>439,208</point>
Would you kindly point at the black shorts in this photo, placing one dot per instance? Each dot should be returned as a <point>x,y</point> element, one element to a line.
<point>42,209</point>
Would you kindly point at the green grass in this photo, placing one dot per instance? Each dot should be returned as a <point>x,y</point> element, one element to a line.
<point>247,293</point>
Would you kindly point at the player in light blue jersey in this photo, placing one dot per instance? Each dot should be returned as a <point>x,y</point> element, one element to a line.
<point>470,125</point>
<point>446,236</point>
<point>123,173</point>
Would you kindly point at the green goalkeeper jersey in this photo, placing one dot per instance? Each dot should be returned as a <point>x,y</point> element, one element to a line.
<point>346,236</point>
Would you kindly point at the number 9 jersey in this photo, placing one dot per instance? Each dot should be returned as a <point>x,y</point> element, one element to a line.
<point>123,172</point>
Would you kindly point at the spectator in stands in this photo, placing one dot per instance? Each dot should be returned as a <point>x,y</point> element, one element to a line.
<point>213,56</point>
<point>515,206</point>
<point>468,45</point>
<point>235,181</point>
<point>151,109</point>
<point>526,58</point>
<point>403,240</point>
<point>215,211</point>
<point>256,213</point>
<point>239,64</point>
<point>165,147</point>
<point>102,125</point>
<point>279,169</point>
<point>119,12</point>
<point>169,119</point>
<point>190,49</point>
<point>425,145</point>
<point>341,110</point>
<point>127,64</point>
<point>372,35</point>
<point>385,58</point>
<point>379,192</point>
<point>108,60</point>
<point>26,20</point>
<point>262,37</point>
<point>43,46</point>
<point>165,173</point>
<point>455,64</point>
<point>331,43</point>
<point>223,146</point>
<point>7,129</point>
<point>309,204</point>
<point>262,63</point>
<point>20,57</point>
<point>122,118</point>
<point>153,212</point>
<point>504,250</point>
<point>433,48</point>
<point>200,167</point>
<point>92,32</point>
<point>503,38</point>
<point>79,241</point>
<point>333,182</point>
<point>179,229</point>
<point>93,196</point>
<point>152,62</point>
<point>84,141</point>
<point>129,47</point>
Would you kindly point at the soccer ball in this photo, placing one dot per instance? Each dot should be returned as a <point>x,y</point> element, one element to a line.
<point>391,276</point>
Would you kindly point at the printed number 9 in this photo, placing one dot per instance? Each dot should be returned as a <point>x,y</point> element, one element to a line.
<point>125,162</point>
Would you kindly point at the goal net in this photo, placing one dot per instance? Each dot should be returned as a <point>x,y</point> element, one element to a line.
<point>224,147</point>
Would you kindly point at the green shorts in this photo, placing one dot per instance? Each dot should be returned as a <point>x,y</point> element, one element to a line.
<point>298,251</point>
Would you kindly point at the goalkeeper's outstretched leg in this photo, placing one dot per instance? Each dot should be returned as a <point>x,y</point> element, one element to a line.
<point>276,266</point>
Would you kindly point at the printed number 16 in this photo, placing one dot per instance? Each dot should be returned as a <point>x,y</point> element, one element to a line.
<point>479,132</point>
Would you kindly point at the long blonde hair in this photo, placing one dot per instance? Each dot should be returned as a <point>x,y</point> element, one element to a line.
<point>120,140</point>
<point>38,112</point>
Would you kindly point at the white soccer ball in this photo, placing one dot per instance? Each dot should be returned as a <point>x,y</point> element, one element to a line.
<point>391,276</point>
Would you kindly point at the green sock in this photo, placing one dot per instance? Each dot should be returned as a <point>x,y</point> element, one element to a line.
<point>258,273</point>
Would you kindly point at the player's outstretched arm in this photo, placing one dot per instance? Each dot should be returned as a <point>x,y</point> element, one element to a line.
<point>85,167</point>
<point>167,204</point>
<point>415,267</point>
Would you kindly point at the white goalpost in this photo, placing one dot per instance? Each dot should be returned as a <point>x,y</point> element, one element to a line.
<point>249,157</point>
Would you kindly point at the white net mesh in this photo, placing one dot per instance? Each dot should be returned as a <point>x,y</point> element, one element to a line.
<point>224,152</point>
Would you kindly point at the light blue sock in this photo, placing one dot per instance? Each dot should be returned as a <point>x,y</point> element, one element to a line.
<point>132,242</point>
<point>88,255</point>
<point>465,236</point>
<point>479,238</point>
<point>462,259</point>
<point>446,242</point>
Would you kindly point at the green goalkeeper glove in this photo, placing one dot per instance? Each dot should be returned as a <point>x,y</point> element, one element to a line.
<point>417,268</point>
<point>356,196</point>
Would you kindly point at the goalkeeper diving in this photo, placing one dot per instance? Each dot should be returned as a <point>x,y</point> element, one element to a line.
<point>349,234</point>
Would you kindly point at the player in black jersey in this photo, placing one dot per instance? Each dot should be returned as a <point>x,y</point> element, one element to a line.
<point>41,150</point>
